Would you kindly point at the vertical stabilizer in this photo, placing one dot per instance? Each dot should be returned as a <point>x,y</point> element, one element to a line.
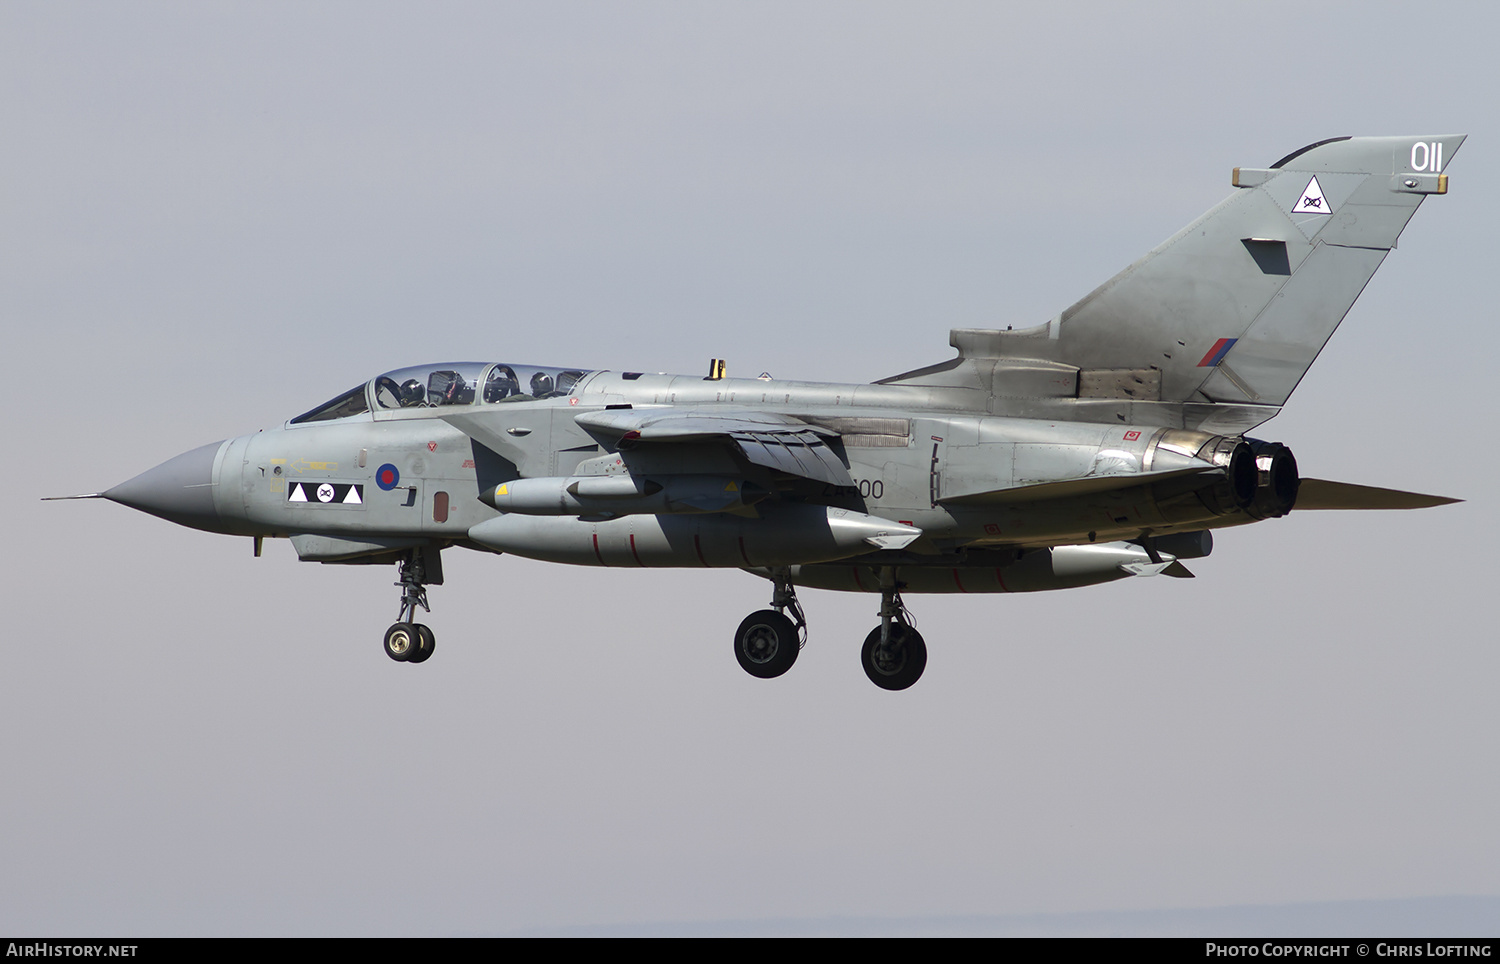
<point>1236,306</point>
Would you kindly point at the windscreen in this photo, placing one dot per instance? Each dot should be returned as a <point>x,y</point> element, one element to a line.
<point>351,402</point>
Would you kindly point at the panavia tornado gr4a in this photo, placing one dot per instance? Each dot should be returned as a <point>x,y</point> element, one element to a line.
<point>1107,443</point>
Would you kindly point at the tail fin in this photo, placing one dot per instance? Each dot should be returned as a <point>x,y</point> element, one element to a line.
<point>1236,306</point>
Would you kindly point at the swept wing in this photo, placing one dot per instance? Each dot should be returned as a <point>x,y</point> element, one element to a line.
<point>779,442</point>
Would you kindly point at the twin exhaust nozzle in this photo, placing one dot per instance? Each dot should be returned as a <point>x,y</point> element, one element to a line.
<point>1260,478</point>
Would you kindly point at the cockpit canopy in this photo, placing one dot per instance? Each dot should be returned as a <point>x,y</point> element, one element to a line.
<point>453,383</point>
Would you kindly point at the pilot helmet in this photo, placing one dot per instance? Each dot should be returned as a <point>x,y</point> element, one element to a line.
<point>500,384</point>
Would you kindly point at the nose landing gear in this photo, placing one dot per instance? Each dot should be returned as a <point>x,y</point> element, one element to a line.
<point>408,641</point>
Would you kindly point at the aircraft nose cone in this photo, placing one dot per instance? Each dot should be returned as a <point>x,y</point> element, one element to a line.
<point>179,490</point>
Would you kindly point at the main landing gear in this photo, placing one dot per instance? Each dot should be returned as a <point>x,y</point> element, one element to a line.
<point>894,654</point>
<point>767,642</point>
<point>408,641</point>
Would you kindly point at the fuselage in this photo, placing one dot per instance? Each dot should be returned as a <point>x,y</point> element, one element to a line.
<point>373,471</point>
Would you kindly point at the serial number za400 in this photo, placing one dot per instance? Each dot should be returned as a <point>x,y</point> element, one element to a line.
<point>864,488</point>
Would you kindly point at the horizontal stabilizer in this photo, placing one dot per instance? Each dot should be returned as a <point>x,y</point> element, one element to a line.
<point>1321,494</point>
<point>1070,488</point>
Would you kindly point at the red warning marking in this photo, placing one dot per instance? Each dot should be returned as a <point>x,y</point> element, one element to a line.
<point>698,548</point>
<point>432,446</point>
<point>597,554</point>
<point>1001,580</point>
<point>634,553</point>
<point>1132,436</point>
<point>958,582</point>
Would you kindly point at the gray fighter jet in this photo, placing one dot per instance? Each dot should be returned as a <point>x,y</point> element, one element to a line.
<point>1104,444</point>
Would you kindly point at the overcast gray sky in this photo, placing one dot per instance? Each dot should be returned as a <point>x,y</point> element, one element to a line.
<point>218,215</point>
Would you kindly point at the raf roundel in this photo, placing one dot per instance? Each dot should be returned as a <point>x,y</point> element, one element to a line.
<point>387,476</point>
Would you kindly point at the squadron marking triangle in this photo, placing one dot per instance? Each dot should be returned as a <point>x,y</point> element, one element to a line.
<point>1312,201</point>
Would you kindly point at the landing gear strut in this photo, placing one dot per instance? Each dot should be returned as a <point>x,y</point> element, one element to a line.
<point>767,642</point>
<point>894,654</point>
<point>408,641</point>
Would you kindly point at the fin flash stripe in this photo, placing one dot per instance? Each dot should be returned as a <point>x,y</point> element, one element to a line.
<point>1217,352</point>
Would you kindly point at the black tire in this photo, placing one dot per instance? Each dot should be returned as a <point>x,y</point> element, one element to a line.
<point>402,641</point>
<point>902,669</point>
<point>766,644</point>
<point>429,643</point>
